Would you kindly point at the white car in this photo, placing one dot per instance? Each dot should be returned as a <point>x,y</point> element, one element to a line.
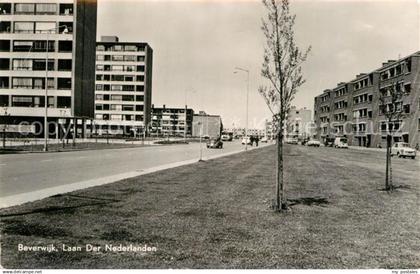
<point>293,141</point>
<point>246,140</point>
<point>264,140</point>
<point>404,150</point>
<point>341,142</point>
<point>313,143</point>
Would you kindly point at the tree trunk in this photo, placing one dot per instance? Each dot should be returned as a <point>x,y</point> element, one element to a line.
<point>388,160</point>
<point>280,195</point>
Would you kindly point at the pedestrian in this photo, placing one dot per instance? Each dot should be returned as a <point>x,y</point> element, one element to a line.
<point>417,146</point>
<point>256,140</point>
<point>251,140</point>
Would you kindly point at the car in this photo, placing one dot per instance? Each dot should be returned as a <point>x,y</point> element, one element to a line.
<point>226,138</point>
<point>246,140</point>
<point>403,150</point>
<point>214,143</point>
<point>293,141</point>
<point>329,142</point>
<point>341,142</point>
<point>264,140</point>
<point>313,143</point>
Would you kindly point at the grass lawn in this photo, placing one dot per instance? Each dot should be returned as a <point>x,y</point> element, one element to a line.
<point>216,214</point>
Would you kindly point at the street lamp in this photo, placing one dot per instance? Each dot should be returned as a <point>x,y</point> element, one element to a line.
<point>247,95</point>
<point>46,129</point>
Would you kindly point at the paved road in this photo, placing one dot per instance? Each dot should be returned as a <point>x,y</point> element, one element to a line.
<point>22,173</point>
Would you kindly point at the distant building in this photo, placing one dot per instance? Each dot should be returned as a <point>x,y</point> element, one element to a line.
<point>269,130</point>
<point>123,86</point>
<point>299,122</point>
<point>207,125</point>
<point>62,31</point>
<point>352,109</point>
<point>171,121</point>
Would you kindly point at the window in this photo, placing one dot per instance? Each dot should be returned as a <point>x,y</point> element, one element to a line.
<point>128,88</point>
<point>100,67</point>
<point>139,88</point>
<point>22,83</point>
<point>64,83</point>
<point>100,48</point>
<point>22,64</point>
<point>116,87</point>
<point>39,64</point>
<point>46,8</point>
<point>128,107</point>
<point>130,58</point>
<point>65,46</point>
<point>129,68</point>
<point>117,68</point>
<point>139,107</point>
<point>140,78</point>
<point>22,101</point>
<point>117,58</point>
<point>140,58</point>
<point>140,68</point>
<point>4,100</point>
<point>24,8</point>
<point>63,102</point>
<point>100,57</point>
<point>116,97</point>
<point>99,97</point>
<point>118,48</point>
<point>64,64</point>
<point>130,48</point>
<point>117,77</point>
<point>98,107</point>
<point>66,9</point>
<point>45,27</point>
<point>99,87</point>
<point>25,27</point>
<point>116,117</point>
<point>406,109</point>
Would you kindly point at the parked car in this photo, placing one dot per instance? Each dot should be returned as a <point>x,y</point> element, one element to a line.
<point>404,150</point>
<point>329,142</point>
<point>293,141</point>
<point>226,138</point>
<point>341,142</point>
<point>264,140</point>
<point>214,143</point>
<point>246,140</point>
<point>313,143</point>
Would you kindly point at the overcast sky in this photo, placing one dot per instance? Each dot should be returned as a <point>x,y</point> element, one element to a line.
<point>197,44</point>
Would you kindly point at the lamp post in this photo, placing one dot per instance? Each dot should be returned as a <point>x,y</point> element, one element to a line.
<point>247,97</point>
<point>46,128</point>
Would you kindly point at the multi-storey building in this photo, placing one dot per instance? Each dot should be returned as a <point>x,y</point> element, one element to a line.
<point>123,86</point>
<point>352,109</point>
<point>207,125</point>
<point>172,121</point>
<point>47,51</point>
<point>299,123</point>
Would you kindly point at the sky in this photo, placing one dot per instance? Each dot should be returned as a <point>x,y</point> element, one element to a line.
<point>198,43</point>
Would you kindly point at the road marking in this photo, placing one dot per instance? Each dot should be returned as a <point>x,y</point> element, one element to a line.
<point>48,160</point>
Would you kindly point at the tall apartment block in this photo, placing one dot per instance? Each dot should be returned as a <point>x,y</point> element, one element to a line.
<point>46,47</point>
<point>299,123</point>
<point>123,87</point>
<point>172,121</point>
<point>352,109</point>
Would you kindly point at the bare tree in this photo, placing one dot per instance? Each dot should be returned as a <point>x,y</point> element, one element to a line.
<point>282,67</point>
<point>391,106</point>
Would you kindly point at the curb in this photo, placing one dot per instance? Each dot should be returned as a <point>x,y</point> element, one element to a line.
<point>18,199</point>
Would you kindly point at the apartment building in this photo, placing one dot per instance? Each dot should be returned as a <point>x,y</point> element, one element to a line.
<point>299,122</point>
<point>46,51</point>
<point>175,122</point>
<point>352,109</point>
<point>207,125</point>
<point>123,91</point>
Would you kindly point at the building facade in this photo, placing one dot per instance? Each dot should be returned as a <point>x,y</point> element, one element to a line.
<point>207,125</point>
<point>174,122</point>
<point>123,91</point>
<point>352,109</point>
<point>299,122</point>
<point>46,50</point>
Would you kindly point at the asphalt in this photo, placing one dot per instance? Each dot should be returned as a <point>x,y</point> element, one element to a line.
<point>29,173</point>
